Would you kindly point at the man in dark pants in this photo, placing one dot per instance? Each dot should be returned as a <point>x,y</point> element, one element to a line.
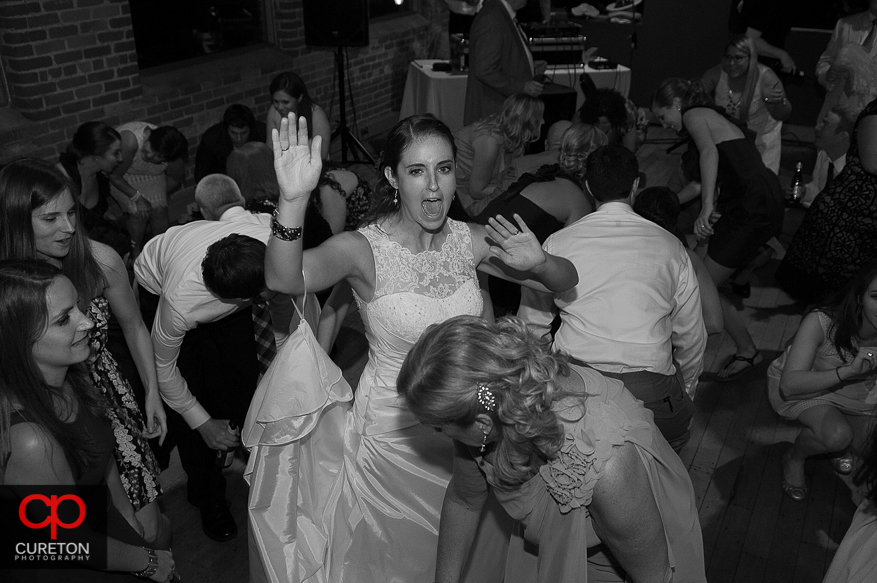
<point>635,314</point>
<point>204,276</point>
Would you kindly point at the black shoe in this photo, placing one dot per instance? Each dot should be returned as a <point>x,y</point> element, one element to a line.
<point>217,521</point>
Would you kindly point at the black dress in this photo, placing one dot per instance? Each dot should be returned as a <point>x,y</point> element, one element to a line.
<point>506,296</point>
<point>749,199</point>
<point>838,236</point>
<point>94,473</point>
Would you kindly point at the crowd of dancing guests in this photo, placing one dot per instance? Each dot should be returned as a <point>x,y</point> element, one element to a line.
<point>536,325</point>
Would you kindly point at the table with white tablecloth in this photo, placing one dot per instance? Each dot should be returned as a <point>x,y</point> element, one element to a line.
<point>443,94</point>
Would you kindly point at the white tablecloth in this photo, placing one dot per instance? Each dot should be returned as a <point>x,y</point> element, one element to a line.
<point>444,94</point>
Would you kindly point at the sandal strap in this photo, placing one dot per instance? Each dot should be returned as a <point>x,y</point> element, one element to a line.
<point>750,360</point>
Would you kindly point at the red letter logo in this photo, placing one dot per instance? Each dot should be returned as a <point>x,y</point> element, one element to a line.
<point>52,503</point>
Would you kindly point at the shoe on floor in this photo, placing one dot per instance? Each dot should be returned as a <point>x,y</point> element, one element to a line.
<point>750,364</point>
<point>843,464</point>
<point>796,493</point>
<point>217,521</point>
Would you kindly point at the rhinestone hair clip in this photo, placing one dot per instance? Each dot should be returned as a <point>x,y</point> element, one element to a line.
<point>486,397</point>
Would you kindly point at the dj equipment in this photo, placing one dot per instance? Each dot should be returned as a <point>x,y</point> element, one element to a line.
<point>558,43</point>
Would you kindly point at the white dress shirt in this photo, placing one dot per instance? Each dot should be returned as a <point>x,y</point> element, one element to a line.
<point>170,267</point>
<point>637,304</point>
<point>820,176</point>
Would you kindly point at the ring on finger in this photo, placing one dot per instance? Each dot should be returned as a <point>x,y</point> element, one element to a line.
<point>870,354</point>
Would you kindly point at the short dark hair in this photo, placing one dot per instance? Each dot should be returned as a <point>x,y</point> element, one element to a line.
<point>239,116</point>
<point>660,205</point>
<point>169,143</point>
<point>608,102</point>
<point>234,267</point>
<point>611,171</point>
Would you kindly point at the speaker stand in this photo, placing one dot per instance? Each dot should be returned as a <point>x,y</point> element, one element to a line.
<point>348,140</point>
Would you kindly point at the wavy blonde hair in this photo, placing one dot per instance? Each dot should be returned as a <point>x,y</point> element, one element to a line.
<point>440,377</point>
<point>518,122</point>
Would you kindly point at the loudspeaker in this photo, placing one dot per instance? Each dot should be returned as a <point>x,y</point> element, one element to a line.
<point>336,23</point>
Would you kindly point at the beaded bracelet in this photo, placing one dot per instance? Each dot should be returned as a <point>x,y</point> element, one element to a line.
<point>151,568</point>
<point>284,233</point>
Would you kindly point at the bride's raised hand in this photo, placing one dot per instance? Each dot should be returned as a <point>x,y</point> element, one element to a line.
<point>517,246</point>
<point>296,162</point>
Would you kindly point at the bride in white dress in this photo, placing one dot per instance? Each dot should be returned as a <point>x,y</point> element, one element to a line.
<point>375,515</point>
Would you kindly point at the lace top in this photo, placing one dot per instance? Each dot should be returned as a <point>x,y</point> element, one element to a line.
<point>412,292</point>
<point>436,275</point>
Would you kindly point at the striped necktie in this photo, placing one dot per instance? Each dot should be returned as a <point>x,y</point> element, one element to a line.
<point>266,347</point>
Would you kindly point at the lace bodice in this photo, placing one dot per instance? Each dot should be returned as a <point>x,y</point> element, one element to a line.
<point>412,292</point>
<point>426,288</point>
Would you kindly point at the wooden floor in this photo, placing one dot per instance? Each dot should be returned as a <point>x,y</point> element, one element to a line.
<point>752,533</point>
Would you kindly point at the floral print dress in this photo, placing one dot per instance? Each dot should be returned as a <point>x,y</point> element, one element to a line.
<point>138,467</point>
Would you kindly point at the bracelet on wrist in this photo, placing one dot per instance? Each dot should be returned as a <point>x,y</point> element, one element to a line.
<point>137,196</point>
<point>837,372</point>
<point>151,568</point>
<point>284,233</point>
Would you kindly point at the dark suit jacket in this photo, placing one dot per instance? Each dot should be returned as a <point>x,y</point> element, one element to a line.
<point>498,64</point>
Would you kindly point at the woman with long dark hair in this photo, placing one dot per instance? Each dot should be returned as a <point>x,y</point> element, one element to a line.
<point>409,266</point>
<point>41,221</point>
<point>53,428</point>
<point>825,380</point>
<point>289,94</point>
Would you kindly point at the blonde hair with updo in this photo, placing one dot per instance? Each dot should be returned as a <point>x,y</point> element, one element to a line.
<point>439,382</point>
<point>577,143</point>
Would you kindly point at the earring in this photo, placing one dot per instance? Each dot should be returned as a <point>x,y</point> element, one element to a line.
<point>396,197</point>
<point>484,442</point>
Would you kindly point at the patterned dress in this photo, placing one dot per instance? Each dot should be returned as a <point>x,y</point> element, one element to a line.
<point>138,467</point>
<point>838,236</point>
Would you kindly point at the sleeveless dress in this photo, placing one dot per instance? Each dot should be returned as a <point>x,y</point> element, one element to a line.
<point>552,506</point>
<point>506,296</point>
<point>750,201</point>
<point>117,527</point>
<point>395,471</point>
<point>150,179</point>
<point>503,168</point>
<point>768,130</point>
<point>138,467</point>
<point>852,397</point>
<point>838,236</point>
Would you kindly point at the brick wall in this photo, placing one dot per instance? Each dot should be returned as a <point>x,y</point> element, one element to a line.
<point>72,61</point>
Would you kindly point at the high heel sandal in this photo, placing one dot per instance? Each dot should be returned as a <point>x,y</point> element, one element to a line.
<point>843,464</point>
<point>796,493</point>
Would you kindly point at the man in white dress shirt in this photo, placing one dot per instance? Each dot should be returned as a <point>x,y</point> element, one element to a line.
<point>832,142</point>
<point>205,346</point>
<point>635,314</point>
